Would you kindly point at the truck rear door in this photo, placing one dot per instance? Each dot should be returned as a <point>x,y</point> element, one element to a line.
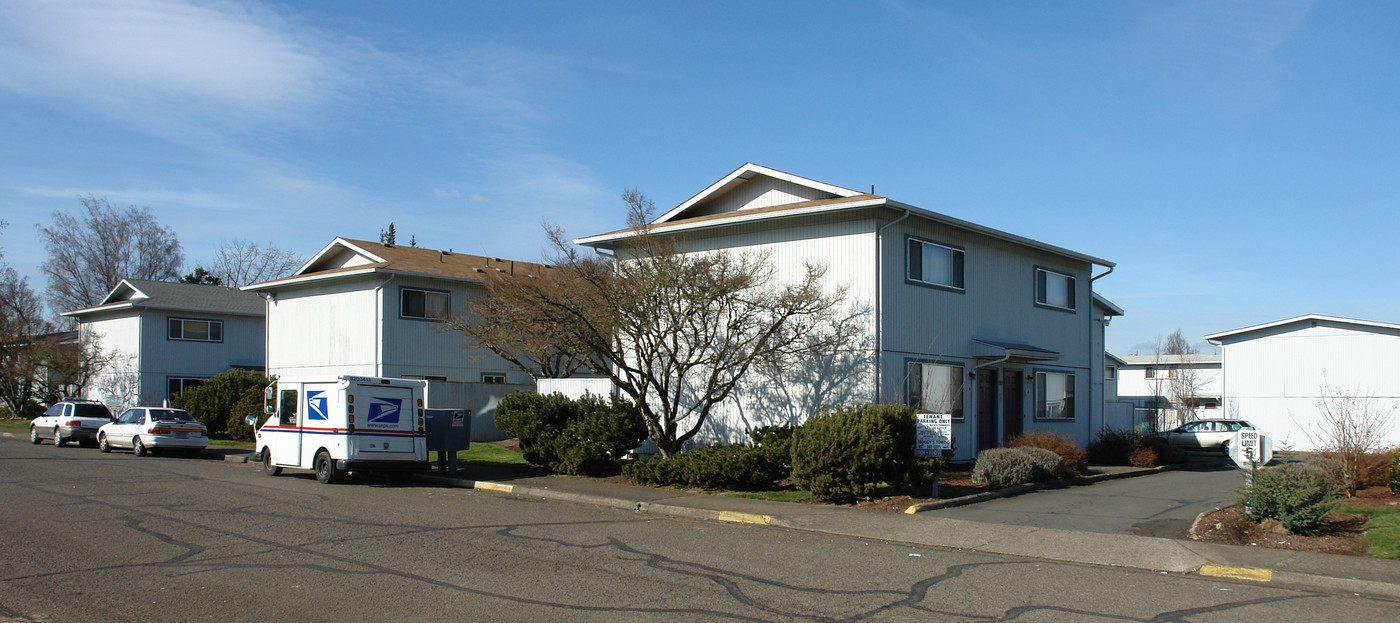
<point>386,420</point>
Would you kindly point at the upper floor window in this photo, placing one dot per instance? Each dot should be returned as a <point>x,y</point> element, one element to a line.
<point>1110,373</point>
<point>196,330</point>
<point>1053,289</point>
<point>429,304</point>
<point>493,377</point>
<point>935,264</point>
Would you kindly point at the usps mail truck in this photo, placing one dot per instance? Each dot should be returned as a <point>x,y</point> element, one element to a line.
<point>340,424</point>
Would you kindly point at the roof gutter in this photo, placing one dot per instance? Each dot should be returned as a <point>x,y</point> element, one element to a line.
<point>879,298</point>
<point>1093,279</point>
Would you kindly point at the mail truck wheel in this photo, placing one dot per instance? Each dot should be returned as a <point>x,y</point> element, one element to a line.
<point>325,468</point>
<point>267,466</point>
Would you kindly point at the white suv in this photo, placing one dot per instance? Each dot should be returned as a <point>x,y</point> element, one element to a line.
<point>70,420</point>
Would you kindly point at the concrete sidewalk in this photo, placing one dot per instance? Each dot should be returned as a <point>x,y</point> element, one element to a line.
<point>1284,568</point>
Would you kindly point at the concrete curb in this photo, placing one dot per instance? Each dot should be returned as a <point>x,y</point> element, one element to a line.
<point>1027,488</point>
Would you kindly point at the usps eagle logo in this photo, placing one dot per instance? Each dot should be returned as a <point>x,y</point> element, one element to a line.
<point>316,405</point>
<point>384,410</point>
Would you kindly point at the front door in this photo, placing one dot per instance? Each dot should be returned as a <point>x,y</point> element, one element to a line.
<point>1011,407</point>
<point>986,409</point>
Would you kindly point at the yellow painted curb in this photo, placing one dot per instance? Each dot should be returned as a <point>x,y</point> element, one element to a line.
<point>1237,573</point>
<point>494,486</point>
<point>745,518</point>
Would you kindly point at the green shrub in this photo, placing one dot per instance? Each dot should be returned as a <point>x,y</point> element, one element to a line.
<point>213,401</point>
<point>1299,496</point>
<point>585,436</point>
<point>250,404</point>
<point>1395,471</point>
<point>1062,445</point>
<point>719,466</point>
<point>849,452</point>
<point>1112,447</point>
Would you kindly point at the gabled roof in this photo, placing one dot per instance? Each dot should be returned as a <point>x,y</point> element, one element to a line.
<point>722,204</point>
<point>1171,360</point>
<point>345,257</point>
<point>1109,308</point>
<point>173,296</point>
<point>1114,358</point>
<point>1362,325</point>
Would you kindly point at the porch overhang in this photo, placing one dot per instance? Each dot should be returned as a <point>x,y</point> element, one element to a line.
<point>1011,351</point>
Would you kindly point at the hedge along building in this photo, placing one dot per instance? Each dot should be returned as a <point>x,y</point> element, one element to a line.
<point>1002,331</point>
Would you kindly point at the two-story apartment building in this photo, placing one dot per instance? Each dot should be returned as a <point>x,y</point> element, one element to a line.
<point>367,308</point>
<point>999,330</point>
<point>159,338</point>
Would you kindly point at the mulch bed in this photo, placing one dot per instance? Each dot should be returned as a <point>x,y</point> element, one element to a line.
<point>1345,533</point>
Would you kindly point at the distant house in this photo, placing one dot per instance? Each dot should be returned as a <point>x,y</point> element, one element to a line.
<point>368,308</point>
<point>160,338</point>
<point>1003,332</point>
<point>1169,390</point>
<point>1274,374</point>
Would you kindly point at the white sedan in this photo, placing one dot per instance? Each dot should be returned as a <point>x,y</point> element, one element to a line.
<point>1205,434</point>
<point>145,429</point>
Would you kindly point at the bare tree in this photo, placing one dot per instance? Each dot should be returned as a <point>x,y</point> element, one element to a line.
<point>503,322</point>
<point>91,253</point>
<point>1351,425</point>
<point>240,263</point>
<point>1177,381</point>
<point>677,331</point>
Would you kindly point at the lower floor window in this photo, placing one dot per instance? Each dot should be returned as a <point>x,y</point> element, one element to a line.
<point>936,388</point>
<point>492,377</point>
<point>179,386</point>
<point>1054,396</point>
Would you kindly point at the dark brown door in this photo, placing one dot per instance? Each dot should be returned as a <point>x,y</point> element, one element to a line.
<point>1011,413</point>
<point>986,410</point>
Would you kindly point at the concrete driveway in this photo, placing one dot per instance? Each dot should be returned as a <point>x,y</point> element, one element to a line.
<point>1159,505</point>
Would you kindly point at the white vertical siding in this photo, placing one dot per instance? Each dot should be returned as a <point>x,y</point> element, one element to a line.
<point>761,192</point>
<point>1275,379</point>
<point>119,341</point>
<point>324,329</point>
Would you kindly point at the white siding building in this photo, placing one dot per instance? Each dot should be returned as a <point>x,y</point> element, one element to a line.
<point>1169,390</point>
<point>160,338</point>
<point>1275,374</point>
<point>367,308</point>
<point>1000,330</point>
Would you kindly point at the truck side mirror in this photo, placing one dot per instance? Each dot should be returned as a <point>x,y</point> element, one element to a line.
<point>252,420</point>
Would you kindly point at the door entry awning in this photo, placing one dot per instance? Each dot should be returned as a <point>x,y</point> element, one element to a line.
<point>997,349</point>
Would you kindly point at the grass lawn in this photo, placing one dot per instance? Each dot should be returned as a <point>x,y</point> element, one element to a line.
<point>489,455</point>
<point>19,423</point>
<point>231,443</point>
<point>1382,531</point>
<point>774,495</point>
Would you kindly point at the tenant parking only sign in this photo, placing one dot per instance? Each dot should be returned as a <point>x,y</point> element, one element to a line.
<point>933,433</point>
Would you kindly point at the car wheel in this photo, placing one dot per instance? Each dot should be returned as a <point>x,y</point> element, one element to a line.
<point>138,448</point>
<point>325,468</point>
<point>102,443</point>
<point>58,439</point>
<point>267,466</point>
<point>34,435</point>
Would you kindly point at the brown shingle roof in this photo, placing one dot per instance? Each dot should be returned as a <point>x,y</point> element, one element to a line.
<point>422,261</point>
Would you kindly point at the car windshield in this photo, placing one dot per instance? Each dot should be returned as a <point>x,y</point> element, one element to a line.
<point>86,410</point>
<point>170,415</point>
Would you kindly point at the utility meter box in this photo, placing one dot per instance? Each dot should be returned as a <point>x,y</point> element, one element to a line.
<point>448,430</point>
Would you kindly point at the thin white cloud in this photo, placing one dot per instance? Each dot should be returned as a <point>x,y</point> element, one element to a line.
<point>449,193</point>
<point>137,196</point>
<point>149,58</point>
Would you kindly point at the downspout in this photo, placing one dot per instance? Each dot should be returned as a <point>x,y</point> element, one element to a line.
<point>1106,273</point>
<point>268,299</point>
<point>879,299</point>
<point>1224,411</point>
<point>379,325</point>
<point>1103,342</point>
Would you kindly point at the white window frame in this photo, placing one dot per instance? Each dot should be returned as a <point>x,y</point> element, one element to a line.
<point>957,265</point>
<point>427,313</point>
<point>1043,289</point>
<point>493,377</point>
<point>171,322</point>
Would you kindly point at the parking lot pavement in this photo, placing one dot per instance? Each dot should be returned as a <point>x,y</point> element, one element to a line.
<point>1160,505</point>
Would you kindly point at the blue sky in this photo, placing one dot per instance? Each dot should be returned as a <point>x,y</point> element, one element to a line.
<point>1239,161</point>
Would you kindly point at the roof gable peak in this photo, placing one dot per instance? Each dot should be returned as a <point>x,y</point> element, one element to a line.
<point>754,186</point>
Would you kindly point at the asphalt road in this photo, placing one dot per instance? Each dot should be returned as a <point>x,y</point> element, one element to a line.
<point>112,537</point>
<point>1160,505</point>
